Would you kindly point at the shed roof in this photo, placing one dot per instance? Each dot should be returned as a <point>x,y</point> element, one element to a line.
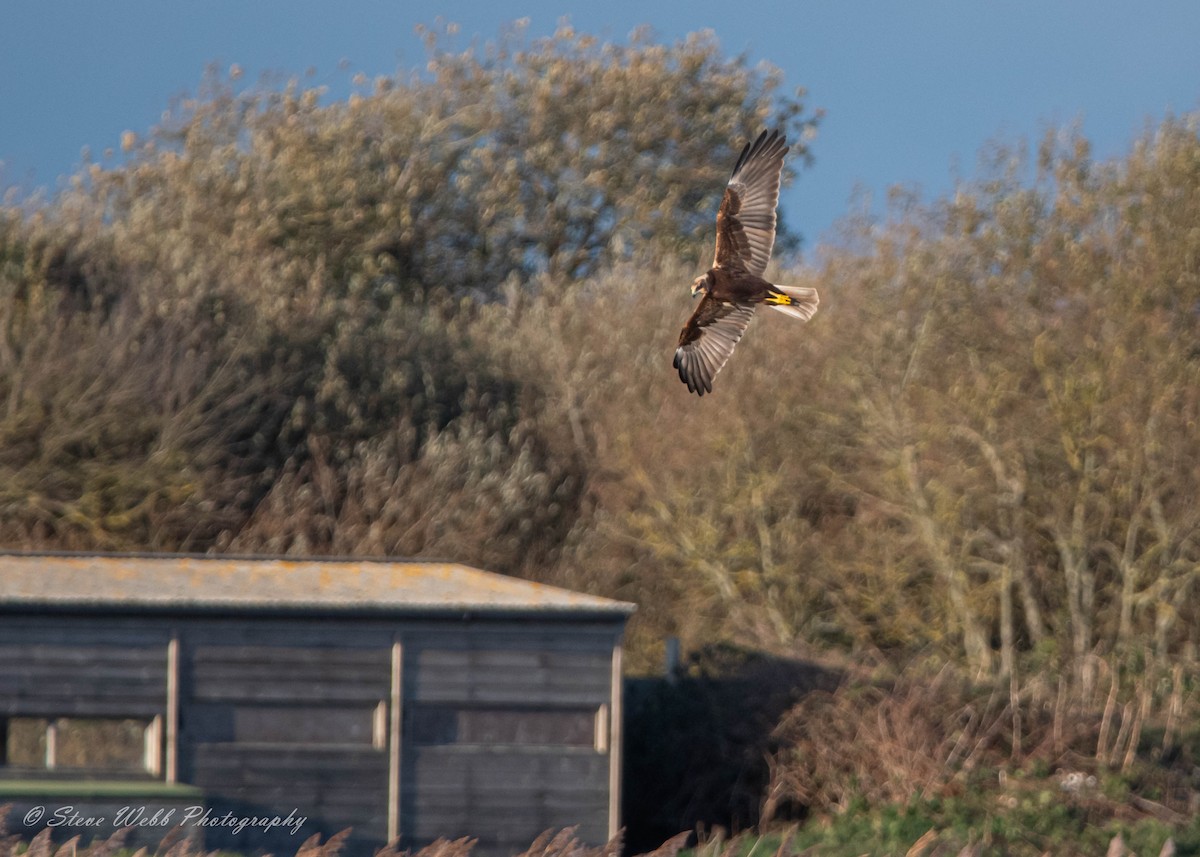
<point>169,582</point>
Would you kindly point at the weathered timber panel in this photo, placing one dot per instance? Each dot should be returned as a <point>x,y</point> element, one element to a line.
<point>326,667</point>
<point>505,795</point>
<point>83,631</point>
<point>318,675</point>
<point>331,767</point>
<point>490,667</point>
<point>94,678</point>
<point>281,714</point>
<point>335,786</point>
<point>296,722</point>
<point>500,635</point>
<point>505,798</point>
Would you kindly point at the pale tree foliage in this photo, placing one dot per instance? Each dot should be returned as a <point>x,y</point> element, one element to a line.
<point>1024,387</point>
<point>503,160</point>
<point>1121,392</point>
<point>436,319</point>
<point>300,279</point>
<point>982,444</point>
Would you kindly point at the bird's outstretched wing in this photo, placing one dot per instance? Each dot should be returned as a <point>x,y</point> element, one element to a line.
<point>746,219</point>
<point>707,340</point>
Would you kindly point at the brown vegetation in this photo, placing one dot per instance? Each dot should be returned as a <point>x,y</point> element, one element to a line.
<point>552,843</point>
<point>923,737</point>
<point>437,318</point>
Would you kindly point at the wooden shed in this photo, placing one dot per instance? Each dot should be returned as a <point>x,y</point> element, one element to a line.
<point>409,700</point>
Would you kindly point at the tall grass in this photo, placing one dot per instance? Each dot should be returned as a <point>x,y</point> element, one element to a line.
<point>912,832</point>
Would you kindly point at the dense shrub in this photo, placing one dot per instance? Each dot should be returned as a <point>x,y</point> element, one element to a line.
<point>436,318</point>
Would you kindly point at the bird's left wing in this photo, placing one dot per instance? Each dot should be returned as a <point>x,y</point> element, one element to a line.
<point>708,339</point>
<point>746,219</point>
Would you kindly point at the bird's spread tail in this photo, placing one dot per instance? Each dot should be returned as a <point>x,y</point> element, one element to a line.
<point>797,301</point>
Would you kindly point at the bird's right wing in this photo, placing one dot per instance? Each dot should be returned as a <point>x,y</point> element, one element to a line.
<point>746,219</point>
<point>708,339</point>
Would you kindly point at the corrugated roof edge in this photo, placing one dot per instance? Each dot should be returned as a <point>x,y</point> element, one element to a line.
<point>598,607</point>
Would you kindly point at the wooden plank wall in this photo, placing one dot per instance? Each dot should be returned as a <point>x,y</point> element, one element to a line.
<point>86,669</point>
<point>331,681</point>
<point>322,684</point>
<point>506,796</point>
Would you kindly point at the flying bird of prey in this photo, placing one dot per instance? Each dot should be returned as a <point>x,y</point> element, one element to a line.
<point>734,286</point>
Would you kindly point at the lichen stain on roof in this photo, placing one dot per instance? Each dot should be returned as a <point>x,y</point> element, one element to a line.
<point>177,581</point>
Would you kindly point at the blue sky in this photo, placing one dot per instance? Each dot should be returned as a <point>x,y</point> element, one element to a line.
<point>912,90</point>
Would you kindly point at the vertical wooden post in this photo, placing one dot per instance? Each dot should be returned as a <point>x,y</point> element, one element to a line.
<point>152,746</point>
<point>172,751</point>
<point>614,746</point>
<point>51,744</point>
<point>395,711</point>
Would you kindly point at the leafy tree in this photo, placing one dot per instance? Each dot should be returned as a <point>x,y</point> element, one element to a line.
<point>437,317</point>
<point>306,278</point>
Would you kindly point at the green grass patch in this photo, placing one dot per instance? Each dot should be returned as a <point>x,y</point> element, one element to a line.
<point>11,789</point>
<point>1042,820</point>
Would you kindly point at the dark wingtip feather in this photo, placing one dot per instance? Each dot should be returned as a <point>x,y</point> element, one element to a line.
<point>697,385</point>
<point>765,140</point>
<point>741,160</point>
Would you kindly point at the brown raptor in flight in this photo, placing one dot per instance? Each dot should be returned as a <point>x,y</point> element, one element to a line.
<point>733,287</point>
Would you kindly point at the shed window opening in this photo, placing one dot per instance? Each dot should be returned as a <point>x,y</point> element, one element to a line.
<point>296,725</point>
<point>288,726</point>
<point>117,745</point>
<point>439,725</point>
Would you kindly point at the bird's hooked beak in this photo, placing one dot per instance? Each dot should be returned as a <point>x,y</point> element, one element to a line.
<point>699,285</point>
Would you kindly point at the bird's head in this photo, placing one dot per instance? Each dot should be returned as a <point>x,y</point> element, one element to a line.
<point>701,284</point>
